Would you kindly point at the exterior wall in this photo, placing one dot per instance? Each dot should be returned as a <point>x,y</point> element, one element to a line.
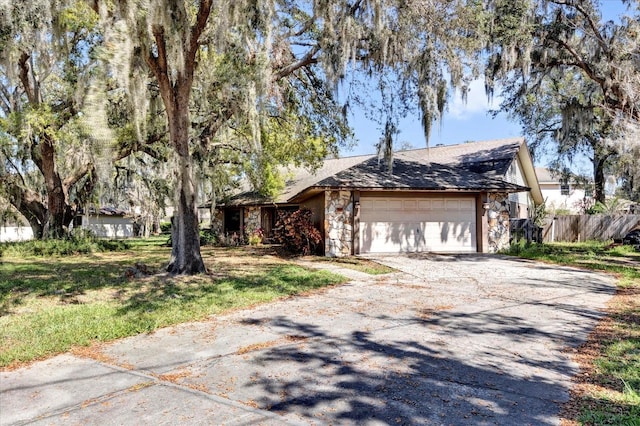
<point>338,223</point>
<point>498,222</point>
<point>252,220</point>
<point>109,226</point>
<point>316,205</point>
<point>204,216</point>
<point>556,201</point>
<point>482,228</point>
<point>523,204</point>
<point>217,222</point>
<point>15,233</point>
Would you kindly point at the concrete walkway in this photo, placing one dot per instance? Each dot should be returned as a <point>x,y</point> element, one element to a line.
<point>449,340</point>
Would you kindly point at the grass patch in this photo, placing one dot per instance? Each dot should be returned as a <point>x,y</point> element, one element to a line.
<point>71,245</point>
<point>48,306</point>
<point>595,255</point>
<point>607,391</point>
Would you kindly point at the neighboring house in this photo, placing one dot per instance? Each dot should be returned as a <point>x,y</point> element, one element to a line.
<point>15,231</point>
<point>456,198</point>
<point>106,222</point>
<point>13,226</point>
<point>562,193</point>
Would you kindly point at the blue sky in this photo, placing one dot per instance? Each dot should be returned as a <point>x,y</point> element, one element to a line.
<point>462,122</point>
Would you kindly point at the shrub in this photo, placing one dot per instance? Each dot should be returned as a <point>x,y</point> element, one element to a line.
<point>165,227</point>
<point>296,233</point>
<point>208,237</point>
<point>256,237</point>
<point>75,243</point>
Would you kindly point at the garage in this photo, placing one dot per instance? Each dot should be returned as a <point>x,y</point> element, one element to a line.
<point>415,224</point>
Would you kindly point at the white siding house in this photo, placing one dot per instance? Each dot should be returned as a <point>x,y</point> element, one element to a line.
<point>560,195</point>
<point>15,233</point>
<point>521,203</point>
<point>108,223</point>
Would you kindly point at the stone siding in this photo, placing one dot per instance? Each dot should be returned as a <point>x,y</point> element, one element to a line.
<point>338,223</point>
<point>217,222</point>
<point>498,217</point>
<point>252,220</point>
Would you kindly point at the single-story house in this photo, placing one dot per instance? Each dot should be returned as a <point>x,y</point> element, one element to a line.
<point>13,226</point>
<point>456,198</point>
<point>107,222</point>
<point>15,231</point>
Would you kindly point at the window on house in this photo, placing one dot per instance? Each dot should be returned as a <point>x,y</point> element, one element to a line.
<point>564,187</point>
<point>588,190</point>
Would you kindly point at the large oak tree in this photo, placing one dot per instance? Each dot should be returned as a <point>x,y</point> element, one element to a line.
<point>572,79</point>
<point>232,75</point>
<point>46,70</point>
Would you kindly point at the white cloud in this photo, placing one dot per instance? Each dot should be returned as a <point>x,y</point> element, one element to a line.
<point>477,102</point>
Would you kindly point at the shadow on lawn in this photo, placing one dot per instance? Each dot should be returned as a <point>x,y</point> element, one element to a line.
<point>49,279</point>
<point>68,278</point>
<point>212,294</point>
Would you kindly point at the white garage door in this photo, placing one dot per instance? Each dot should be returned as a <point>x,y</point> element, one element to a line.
<point>393,225</point>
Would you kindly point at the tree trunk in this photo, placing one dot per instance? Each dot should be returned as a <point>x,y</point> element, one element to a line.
<point>599,162</point>
<point>59,213</point>
<point>175,93</point>
<point>27,203</point>
<point>185,236</point>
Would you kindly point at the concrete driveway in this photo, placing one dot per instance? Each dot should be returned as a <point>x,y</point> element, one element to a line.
<point>448,340</point>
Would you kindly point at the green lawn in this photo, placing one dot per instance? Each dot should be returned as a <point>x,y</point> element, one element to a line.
<point>49,304</point>
<point>609,394</point>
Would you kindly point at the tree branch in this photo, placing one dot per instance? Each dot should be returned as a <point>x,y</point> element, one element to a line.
<point>75,177</point>
<point>212,128</point>
<point>146,147</point>
<point>578,61</point>
<point>23,64</point>
<point>592,24</point>
<point>231,147</point>
<point>6,100</point>
<point>308,59</point>
<point>26,201</point>
<point>158,66</point>
<point>196,31</point>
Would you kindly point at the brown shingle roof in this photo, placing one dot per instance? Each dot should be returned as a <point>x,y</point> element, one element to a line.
<point>299,179</point>
<point>412,175</point>
<point>492,157</point>
<point>467,166</point>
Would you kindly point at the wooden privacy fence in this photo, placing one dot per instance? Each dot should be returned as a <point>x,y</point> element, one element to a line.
<point>599,227</point>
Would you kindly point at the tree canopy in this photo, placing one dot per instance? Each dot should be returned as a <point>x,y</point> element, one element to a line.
<point>574,84</point>
<point>47,147</point>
